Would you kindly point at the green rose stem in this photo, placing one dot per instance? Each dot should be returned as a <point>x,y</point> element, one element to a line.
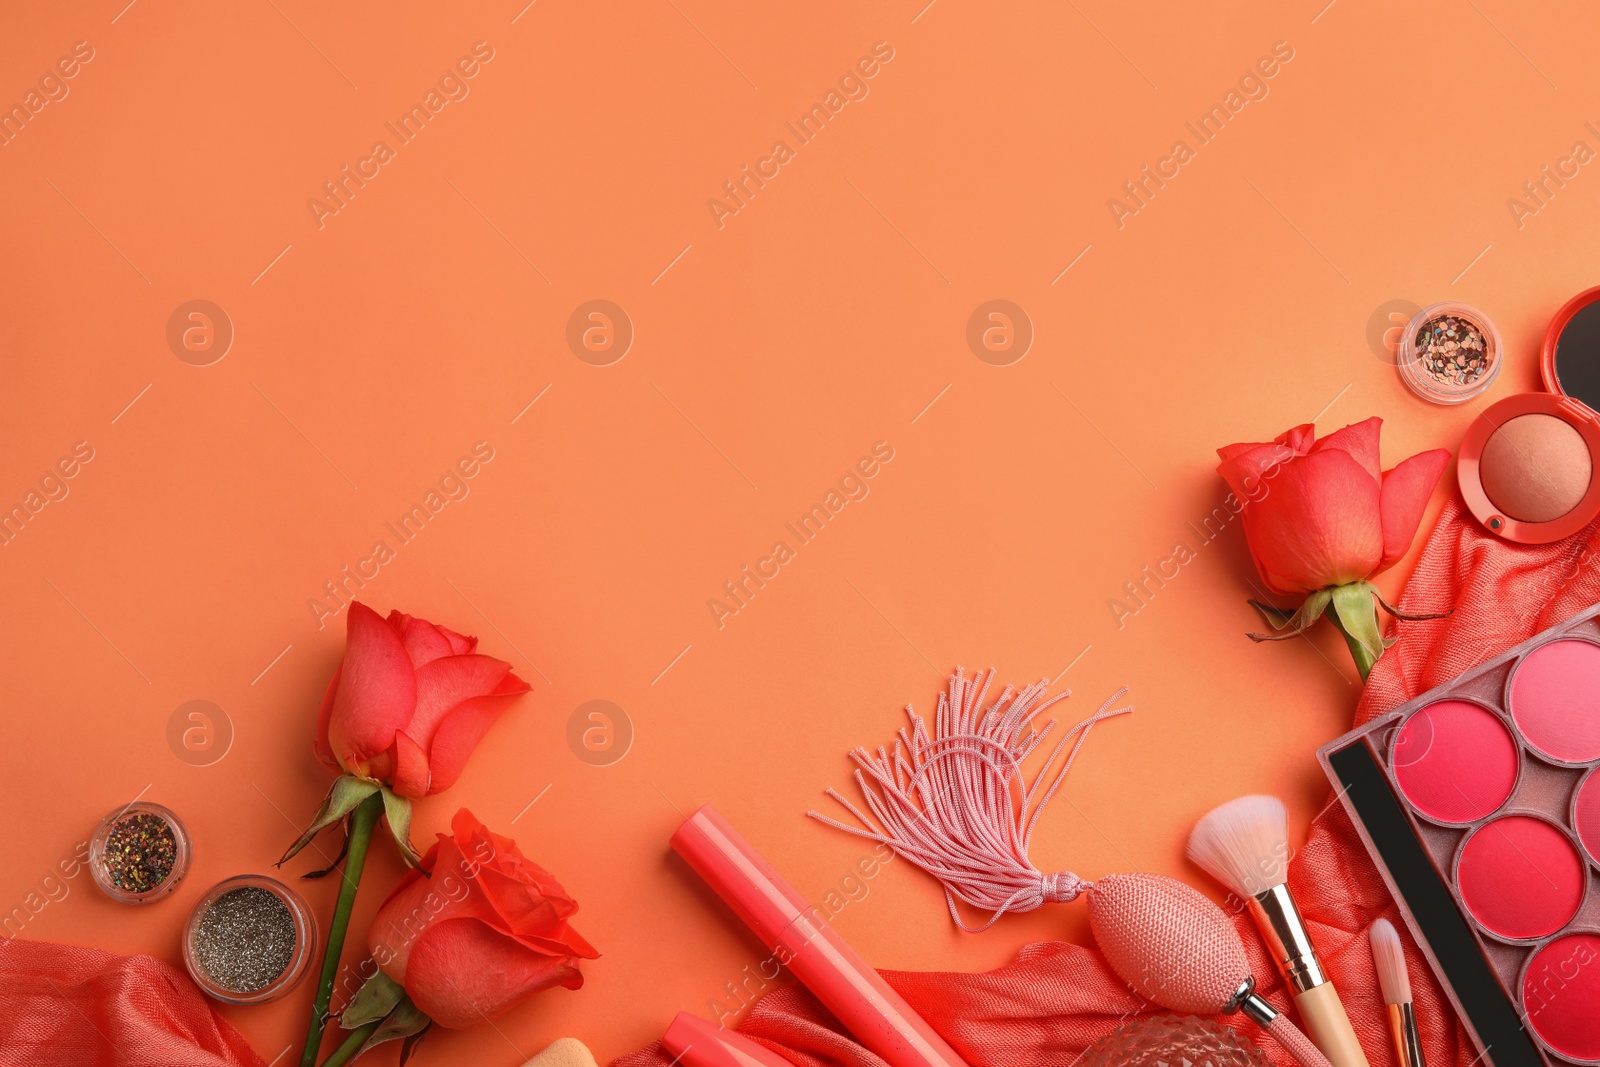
<point>362,820</point>
<point>352,1044</point>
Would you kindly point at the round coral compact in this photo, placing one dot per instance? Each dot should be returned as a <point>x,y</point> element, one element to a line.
<point>1554,701</point>
<point>1561,996</point>
<point>1586,813</point>
<point>1521,877</point>
<point>1527,467</point>
<point>1455,761</point>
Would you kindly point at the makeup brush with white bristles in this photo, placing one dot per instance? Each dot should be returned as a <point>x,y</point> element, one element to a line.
<point>1244,844</point>
<point>1390,958</point>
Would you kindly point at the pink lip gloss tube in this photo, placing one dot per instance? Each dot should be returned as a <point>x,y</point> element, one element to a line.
<point>697,1043</point>
<point>800,940</point>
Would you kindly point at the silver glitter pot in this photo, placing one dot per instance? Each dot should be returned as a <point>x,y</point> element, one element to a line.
<point>250,939</point>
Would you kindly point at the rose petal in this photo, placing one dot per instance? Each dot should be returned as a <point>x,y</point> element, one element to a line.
<point>526,900</point>
<point>424,643</point>
<point>319,744</point>
<point>437,637</point>
<point>1245,471</point>
<point>462,973</point>
<point>445,683</point>
<point>1360,440</point>
<point>564,942</point>
<point>1317,525</point>
<point>381,766</point>
<point>1227,452</point>
<point>534,909</point>
<point>458,735</point>
<point>1406,490</point>
<point>411,777</point>
<point>388,939</point>
<point>448,891</point>
<point>460,645</point>
<point>1299,438</point>
<point>377,690</point>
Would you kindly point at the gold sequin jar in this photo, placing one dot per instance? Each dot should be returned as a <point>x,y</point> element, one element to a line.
<point>1449,353</point>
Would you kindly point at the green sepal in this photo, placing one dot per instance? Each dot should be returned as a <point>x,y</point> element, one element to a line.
<point>333,865</point>
<point>397,810</point>
<point>346,793</point>
<point>376,998</point>
<point>406,1020</point>
<point>1355,607</point>
<point>1297,623</point>
<point>411,1043</point>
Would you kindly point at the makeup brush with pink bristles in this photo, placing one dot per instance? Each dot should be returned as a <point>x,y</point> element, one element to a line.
<point>1390,959</point>
<point>1244,844</point>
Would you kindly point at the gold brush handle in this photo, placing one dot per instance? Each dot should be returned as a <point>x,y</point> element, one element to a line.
<point>1329,1027</point>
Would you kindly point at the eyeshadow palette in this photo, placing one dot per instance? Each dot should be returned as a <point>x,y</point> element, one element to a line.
<point>1480,803</point>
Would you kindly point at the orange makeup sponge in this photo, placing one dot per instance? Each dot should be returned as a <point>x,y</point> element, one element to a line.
<point>567,1052</point>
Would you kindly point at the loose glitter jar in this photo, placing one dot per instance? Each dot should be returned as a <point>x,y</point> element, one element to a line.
<point>1449,353</point>
<point>139,853</point>
<point>249,940</point>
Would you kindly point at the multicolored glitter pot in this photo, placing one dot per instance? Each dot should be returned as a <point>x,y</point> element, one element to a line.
<point>1449,353</point>
<point>249,940</point>
<point>139,853</point>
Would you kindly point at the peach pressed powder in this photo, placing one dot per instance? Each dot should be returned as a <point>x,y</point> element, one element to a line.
<point>1535,468</point>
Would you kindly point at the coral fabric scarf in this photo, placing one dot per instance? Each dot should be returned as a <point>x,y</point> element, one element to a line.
<point>62,1006</point>
<point>1056,998</point>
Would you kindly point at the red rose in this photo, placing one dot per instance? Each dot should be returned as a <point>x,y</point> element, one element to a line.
<point>1321,512</point>
<point>1321,517</point>
<point>484,928</point>
<point>410,702</point>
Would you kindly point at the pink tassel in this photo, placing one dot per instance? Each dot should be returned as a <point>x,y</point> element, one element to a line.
<point>956,804</point>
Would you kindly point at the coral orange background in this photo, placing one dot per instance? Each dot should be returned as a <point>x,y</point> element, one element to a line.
<point>772,347</point>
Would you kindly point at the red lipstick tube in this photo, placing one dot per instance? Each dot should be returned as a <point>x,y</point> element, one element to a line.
<point>802,941</point>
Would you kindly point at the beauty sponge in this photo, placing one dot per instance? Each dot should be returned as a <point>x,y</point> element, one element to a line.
<point>567,1052</point>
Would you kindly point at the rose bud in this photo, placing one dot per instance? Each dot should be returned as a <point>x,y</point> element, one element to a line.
<point>410,702</point>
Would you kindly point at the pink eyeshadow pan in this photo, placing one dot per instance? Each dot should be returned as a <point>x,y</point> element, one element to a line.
<point>1455,761</point>
<point>1555,701</point>
<point>1561,995</point>
<point>1586,814</point>
<point>1520,877</point>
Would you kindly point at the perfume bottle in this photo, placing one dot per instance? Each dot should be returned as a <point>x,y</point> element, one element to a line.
<point>1173,1041</point>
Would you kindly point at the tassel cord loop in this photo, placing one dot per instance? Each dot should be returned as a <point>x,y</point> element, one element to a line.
<point>957,804</point>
